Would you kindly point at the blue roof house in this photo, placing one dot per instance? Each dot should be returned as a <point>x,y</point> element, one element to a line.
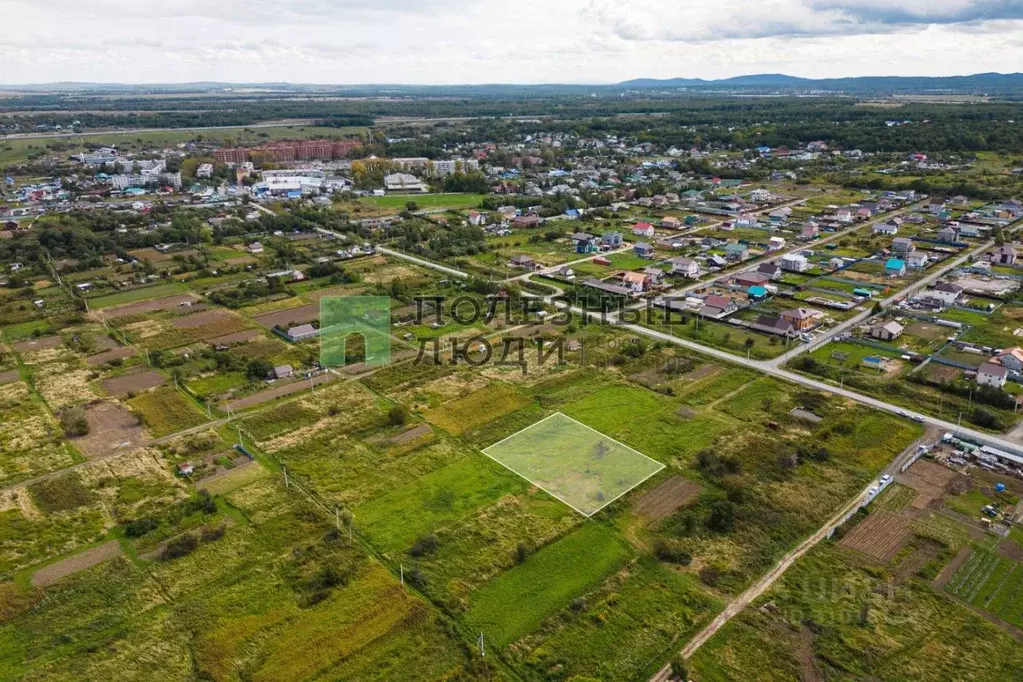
<point>895,266</point>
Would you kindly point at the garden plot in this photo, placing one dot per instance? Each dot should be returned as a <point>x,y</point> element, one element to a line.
<point>573,462</point>
<point>880,535</point>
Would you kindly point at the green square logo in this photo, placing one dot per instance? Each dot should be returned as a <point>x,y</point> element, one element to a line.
<point>345,318</point>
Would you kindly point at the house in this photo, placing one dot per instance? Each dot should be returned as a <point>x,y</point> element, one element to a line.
<point>949,233</point>
<point>643,230</point>
<point>802,318</point>
<point>476,218</point>
<point>282,372</point>
<point>936,205</point>
<point>717,307</point>
<point>810,230</point>
<point>895,267</point>
<point>770,324</point>
<point>565,272</point>
<point>573,214</point>
<point>526,221</point>
<point>586,243</point>
<point>844,215</point>
<point>612,239</point>
<point>608,288</point>
<point>756,293</point>
<point>637,282</point>
<point>716,261</point>
<point>522,263</point>
<point>887,332</point>
<point>946,292</point>
<point>780,215</point>
<point>775,244</point>
<point>772,270</point>
<point>643,250</point>
<point>686,267</point>
<point>903,245</point>
<point>917,260</point>
<point>990,374</point>
<point>255,247</point>
<point>1010,358</point>
<point>760,195</point>
<point>1003,255</point>
<point>301,332</point>
<point>671,223</point>
<point>751,278</point>
<point>655,275</point>
<point>890,228</point>
<point>736,252</point>
<point>795,262</point>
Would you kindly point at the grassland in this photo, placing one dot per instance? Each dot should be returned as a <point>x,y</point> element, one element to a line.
<point>515,602</point>
<point>425,201</point>
<point>164,410</point>
<point>831,617</point>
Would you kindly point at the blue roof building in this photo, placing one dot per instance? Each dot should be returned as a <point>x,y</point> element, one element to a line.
<point>895,266</point>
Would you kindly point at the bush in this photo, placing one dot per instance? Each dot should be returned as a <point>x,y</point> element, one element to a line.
<point>672,554</point>
<point>136,528</point>
<point>180,546</point>
<point>213,533</point>
<point>722,516</point>
<point>74,423</point>
<point>60,494</point>
<point>710,575</point>
<point>521,552</point>
<point>426,544</point>
<point>398,415</point>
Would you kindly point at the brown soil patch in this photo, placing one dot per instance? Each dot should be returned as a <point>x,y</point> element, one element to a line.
<point>9,377</point>
<point>166,303</point>
<point>139,381</point>
<point>930,481</point>
<point>289,317</point>
<point>111,428</point>
<point>106,356</point>
<point>666,498</point>
<point>1010,550</point>
<point>807,663</point>
<point>201,319</point>
<point>412,434</point>
<point>41,343</point>
<point>937,372</point>
<point>701,373</point>
<point>917,560</point>
<point>154,256</point>
<point>881,535</point>
<point>237,337</point>
<point>79,562</point>
<point>278,391</point>
<point>952,566</point>
<point>104,342</point>
<point>928,331</point>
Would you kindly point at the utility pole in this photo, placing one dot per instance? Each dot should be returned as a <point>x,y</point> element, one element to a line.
<point>401,569</point>
<point>483,652</point>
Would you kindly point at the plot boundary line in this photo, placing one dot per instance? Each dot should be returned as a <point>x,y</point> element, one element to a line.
<point>660,466</point>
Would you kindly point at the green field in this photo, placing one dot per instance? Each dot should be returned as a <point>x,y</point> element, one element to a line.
<point>991,583</point>
<point>425,201</point>
<point>514,603</point>
<point>573,462</point>
<point>133,295</point>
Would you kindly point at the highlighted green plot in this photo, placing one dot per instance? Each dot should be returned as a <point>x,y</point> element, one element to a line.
<point>576,464</point>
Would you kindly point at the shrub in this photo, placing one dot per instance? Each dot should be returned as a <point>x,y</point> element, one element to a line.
<point>60,494</point>
<point>74,423</point>
<point>398,415</point>
<point>213,533</point>
<point>180,546</point>
<point>426,544</point>
<point>672,554</point>
<point>722,516</point>
<point>136,528</point>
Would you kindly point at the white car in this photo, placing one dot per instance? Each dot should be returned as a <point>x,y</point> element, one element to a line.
<point>886,478</point>
<point>903,413</point>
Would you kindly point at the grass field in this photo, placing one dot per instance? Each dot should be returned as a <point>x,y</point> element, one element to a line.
<point>164,410</point>
<point>516,601</point>
<point>133,295</point>
<point>576,464</point>
<point>991,583</point>
<point>425,201</point>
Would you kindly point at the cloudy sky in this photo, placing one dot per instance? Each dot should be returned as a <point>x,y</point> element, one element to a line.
<point>496,41</point>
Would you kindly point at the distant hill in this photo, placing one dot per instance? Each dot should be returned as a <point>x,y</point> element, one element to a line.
<point>973,84</point>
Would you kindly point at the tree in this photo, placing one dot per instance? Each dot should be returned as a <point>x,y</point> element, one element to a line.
<point>411,206</point>
<point>258,368</point>
<point>678,669</point>
<point>722,516</point>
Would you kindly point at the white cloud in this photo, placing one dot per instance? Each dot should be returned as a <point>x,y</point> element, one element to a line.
<point>444,41</point>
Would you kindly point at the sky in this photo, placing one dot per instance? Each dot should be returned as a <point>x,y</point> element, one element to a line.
<point>497,41</point>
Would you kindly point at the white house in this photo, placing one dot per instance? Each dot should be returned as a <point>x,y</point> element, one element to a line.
<point>686,267</point>
<point>760,195</point>
<point>795,262</point>
<point>946,292</point>
<point>990,374</point>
